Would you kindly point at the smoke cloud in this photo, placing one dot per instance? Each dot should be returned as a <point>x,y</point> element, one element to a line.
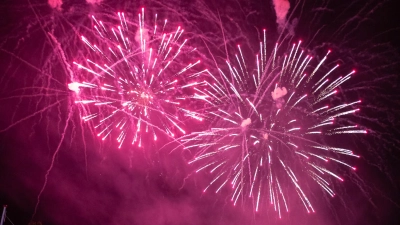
<point>281,9</point>
<point>55,4</point>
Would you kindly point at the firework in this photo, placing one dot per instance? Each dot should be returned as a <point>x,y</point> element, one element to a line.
<point>136,79</point>
<point>270,128</point>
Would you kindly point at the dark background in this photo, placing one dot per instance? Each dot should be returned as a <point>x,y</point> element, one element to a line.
<point>95,183</point>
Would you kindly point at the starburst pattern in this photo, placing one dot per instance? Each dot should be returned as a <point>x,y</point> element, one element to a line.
<point>271,127</point>
<point>136,79</point>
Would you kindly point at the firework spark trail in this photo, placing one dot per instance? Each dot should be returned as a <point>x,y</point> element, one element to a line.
<point>139,86</point>
<point>46,176</point>
<point>259,141</point>
<point>38,112</point>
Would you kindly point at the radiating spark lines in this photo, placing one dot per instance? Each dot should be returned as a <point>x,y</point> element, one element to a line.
<point>134,83</point>
<point>268,130</point>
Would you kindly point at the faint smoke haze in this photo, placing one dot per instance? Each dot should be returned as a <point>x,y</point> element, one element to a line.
<point>281,9</point>
<point>55,4</point>
<point>94,1</point>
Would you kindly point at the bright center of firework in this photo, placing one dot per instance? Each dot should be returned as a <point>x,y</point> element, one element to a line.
<point>145,95</point>
<point>142,96</point>
<point>278,93</point>
<point>246,122</point>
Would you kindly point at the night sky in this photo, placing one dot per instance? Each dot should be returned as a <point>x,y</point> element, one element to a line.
<point>94,182</point>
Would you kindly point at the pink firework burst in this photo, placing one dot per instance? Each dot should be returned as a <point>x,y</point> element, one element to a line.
<point>271,127</point>
<point>136,80</point>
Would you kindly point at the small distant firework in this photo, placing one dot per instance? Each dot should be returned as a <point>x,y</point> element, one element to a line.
<point>270,128</point>
<point>135,80</point>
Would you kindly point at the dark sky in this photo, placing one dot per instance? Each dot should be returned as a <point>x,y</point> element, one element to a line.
<point>96,183</point>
